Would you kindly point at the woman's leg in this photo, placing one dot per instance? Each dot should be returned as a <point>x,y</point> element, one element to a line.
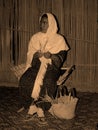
<point>26,86</point>
<point>50,81</point>
<point>49,87</point>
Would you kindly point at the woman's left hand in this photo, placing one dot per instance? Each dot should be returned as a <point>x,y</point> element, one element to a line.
<point>47,55</point>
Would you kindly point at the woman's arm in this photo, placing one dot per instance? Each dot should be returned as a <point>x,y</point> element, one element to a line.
<point>57,59</point>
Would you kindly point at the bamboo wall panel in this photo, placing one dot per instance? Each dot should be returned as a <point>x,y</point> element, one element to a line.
<point>84,37</point>
<point>77,22</point>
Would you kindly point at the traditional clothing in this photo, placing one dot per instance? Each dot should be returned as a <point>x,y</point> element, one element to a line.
<point>41,73</point>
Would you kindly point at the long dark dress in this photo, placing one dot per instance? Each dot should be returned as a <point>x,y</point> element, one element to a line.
<point>52,74</point>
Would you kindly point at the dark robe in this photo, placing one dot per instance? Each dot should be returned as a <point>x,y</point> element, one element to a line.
<point>52,74</point>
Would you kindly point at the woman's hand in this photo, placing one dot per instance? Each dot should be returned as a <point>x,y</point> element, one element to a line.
<point>47,55</point>
<point>38,54</point>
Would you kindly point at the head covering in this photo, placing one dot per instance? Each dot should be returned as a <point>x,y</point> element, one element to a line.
<point>52,29</point>
<point>52,24</point>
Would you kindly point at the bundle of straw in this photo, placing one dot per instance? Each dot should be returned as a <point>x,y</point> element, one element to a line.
<point>18,70</point>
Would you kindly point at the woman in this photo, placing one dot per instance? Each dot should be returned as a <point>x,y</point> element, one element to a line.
<point>46,54</point>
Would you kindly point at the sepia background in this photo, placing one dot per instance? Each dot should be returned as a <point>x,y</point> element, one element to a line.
<point>78,23</point>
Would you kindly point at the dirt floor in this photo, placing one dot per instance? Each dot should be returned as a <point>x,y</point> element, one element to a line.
<point>86,114</point>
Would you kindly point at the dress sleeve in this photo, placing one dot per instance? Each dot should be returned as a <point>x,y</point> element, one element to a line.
<point>30,53</point>
<point>59,58</point>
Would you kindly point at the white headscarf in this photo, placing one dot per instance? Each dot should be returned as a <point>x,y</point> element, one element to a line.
<point>52,24</point>
<point>52,29</point>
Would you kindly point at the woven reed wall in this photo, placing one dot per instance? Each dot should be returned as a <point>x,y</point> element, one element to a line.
<point>81,35</point>
<point>78,23</point>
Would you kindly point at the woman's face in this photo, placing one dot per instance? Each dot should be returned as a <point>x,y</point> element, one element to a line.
<point>44,24</point>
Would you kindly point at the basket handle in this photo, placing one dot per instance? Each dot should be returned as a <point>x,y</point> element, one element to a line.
<point>61,91</point>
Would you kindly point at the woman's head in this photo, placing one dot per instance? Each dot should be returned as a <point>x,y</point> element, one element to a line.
<point>44,23</point>
<point>48,24</point>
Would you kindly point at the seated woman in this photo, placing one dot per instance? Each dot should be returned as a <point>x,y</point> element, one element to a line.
<point>46,54</point>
